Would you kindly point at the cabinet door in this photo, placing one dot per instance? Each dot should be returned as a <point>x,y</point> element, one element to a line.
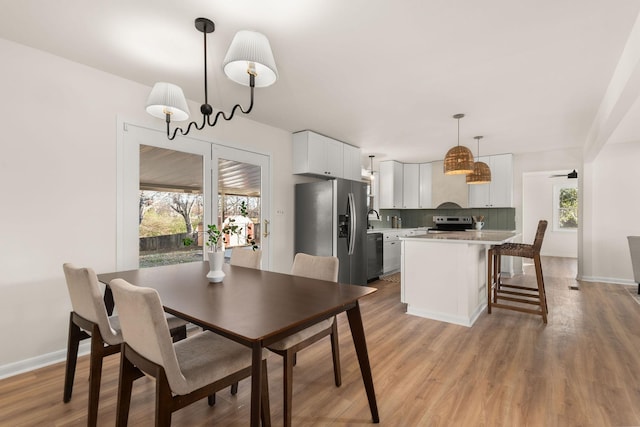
<point>499,192</point>
<point>316,154</point>
<point>352,163</point>
<point>410,185</point>
<point>335,153</point>
<point>479,194</point>
<point>390,185</point>
<point>501,188</point>
<point>424,201</point>
<point>391,256</point>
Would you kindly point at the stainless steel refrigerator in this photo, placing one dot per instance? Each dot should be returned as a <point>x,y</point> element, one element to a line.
<point>331,219</point>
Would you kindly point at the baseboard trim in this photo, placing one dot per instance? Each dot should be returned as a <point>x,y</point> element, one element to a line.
<point>22,366</point>
<point>607,280</point>
<point>26,365</point>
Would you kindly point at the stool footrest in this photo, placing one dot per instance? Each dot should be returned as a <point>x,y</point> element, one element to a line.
<point>524,288</point>
<point>522,309</point>
<point>521,300</point>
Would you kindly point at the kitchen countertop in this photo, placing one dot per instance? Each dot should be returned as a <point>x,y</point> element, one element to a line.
<point>487,237</point>
<point>384,230</point>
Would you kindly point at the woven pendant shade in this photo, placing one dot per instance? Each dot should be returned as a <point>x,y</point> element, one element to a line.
<point>459,159</point>
<point>481,172</point>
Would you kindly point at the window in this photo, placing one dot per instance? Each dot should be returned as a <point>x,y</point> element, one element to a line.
<point>565,207</point>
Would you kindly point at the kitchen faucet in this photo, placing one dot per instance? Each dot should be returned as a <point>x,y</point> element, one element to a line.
<point>369,226</point>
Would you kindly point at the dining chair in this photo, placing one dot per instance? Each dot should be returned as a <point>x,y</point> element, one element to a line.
<point>315,267</point>
<point>515,297</point>
<point>90,319</point>
<point>244,257</point>
<point>186,371</point>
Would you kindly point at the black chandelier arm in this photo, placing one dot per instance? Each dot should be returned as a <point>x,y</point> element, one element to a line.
<point>233,111</point>
<point>184,132</point>
<point>207,111</point>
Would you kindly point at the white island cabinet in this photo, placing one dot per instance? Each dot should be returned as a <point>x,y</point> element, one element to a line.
<point>444,276</point>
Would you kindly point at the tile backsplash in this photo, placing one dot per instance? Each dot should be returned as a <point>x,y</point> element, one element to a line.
<point>494,218</point>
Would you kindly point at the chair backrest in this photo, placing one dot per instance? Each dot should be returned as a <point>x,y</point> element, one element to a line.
<point>145,328</point>
<point>537,242</point>
<point>634,249</point>
<point>87,300</point>
<point>244,257</point>
<point>316,267</point>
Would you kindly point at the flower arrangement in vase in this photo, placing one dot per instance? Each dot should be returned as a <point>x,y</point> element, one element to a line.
<point>216,236</point>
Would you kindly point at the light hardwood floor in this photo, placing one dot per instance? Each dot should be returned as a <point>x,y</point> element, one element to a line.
<point>509,369</point>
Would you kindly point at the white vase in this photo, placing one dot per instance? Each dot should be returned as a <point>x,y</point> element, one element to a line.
<point>216,259</point>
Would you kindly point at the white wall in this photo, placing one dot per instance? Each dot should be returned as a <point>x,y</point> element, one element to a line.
<point>537,204</point>
<point>614,207</point>
<point>58,184</point>
<point>529,163</point>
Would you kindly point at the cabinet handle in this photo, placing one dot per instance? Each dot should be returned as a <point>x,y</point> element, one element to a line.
<point>266,227</point>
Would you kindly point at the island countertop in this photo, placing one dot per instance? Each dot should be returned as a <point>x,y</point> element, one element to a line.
<point>482,237</point>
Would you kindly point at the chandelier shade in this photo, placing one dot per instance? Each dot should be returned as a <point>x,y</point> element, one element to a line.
<point>481,172</point>
<point>250,53</point>
<point>167,98</point>
<point>459,159</point>
<point>249,62</point>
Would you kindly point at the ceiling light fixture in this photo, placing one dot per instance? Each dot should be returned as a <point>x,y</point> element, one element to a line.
<point>371,166</point>
<point>249,62</point>
<point>481,172</point>
<point>459,159</point>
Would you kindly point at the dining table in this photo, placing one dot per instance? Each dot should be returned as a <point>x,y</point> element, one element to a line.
<point>255,308</point>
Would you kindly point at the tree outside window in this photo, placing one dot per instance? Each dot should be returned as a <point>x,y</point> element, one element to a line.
<point>565,208</point>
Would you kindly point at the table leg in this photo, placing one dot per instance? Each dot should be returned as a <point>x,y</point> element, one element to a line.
<point>357,332</point>
<point>256,378</point>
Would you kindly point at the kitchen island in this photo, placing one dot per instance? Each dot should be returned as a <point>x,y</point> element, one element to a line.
<point>444,275</point>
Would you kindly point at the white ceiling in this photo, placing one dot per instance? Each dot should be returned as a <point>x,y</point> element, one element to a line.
<point>383,75</point>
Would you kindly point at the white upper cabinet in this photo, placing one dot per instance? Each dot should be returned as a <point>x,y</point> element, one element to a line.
<point>391,183</point>
<point>406,186</point>
<point>425,186</point>
<point>410,185</point>
<point>499,192</point>
<point>316,154</point>
<point>352,163</point>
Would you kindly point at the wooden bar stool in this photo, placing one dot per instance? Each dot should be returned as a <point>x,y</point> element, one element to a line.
<point>513,297</point>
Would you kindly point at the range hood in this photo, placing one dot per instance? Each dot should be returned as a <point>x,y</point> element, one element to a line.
<point>448,188</point>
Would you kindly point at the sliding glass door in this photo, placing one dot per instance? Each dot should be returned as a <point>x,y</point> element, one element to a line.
<point>169,191</point>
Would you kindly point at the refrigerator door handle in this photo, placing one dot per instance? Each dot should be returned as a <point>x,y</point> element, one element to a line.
<point>352,223</point>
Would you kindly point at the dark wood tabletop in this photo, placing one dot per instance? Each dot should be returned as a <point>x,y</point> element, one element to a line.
<point>249,304</point>
<point>255,307</point>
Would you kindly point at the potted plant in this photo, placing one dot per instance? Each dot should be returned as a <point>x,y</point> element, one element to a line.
<point>216,236</point>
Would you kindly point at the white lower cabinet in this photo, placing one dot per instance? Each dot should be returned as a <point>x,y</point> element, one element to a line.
<point>391,251</point>
<point>390,256</point>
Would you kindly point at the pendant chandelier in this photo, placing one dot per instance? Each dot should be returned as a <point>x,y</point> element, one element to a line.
<point>249,62</point>
<point>481,172</point>
<point>371,176</point>
<point>459,159</point>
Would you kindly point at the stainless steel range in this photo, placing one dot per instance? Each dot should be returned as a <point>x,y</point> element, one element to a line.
<point>451,223</point>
